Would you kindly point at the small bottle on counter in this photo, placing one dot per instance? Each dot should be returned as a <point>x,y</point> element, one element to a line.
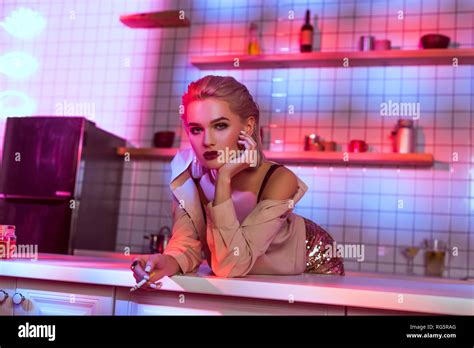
<point>253,47</point>
<point>7,241</point>
<point>306,35</point>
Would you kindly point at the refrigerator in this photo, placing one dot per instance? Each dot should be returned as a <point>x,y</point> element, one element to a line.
<point>60,183</point>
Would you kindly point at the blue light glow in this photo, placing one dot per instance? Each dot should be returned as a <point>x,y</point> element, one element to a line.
<point>15,103</point>
<point>24,23</point>
<point>18,65</point>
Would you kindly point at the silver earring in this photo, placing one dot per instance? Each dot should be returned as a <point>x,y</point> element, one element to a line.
<point>196,168</point>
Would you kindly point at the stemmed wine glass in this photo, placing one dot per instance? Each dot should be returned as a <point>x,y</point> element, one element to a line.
<point>410,254</point>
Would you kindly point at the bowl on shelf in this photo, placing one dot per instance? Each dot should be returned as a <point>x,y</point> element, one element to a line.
<point>163,139</point>
<point>434,41</point>
<point>357,146</point>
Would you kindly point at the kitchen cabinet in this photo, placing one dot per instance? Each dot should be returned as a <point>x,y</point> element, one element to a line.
<point>163,302</point>
<point>87,285</point>
<point>372,311</point>
<point>40,297</point>
<point>7,290</point>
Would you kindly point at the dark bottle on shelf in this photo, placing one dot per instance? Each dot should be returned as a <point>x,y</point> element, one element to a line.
<point>306,35</point>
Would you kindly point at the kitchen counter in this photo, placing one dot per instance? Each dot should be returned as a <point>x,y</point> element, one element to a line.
<point>365,290</point>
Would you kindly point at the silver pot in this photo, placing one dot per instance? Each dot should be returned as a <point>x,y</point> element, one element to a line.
<point>159,241</point>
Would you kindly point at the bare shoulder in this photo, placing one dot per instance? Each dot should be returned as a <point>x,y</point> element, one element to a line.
<point>282,184</point>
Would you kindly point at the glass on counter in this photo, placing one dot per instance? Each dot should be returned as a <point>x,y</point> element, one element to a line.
<point>410,254</point>
<point>435,255</point>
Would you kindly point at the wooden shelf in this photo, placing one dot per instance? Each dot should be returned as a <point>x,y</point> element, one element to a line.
<point>361,158</point>
<point>148,152</point>
<point>163,19</point>
<point>465,56</point>
<point>306,157</point>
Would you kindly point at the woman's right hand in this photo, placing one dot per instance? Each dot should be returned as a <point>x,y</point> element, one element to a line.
<point>161,265</point>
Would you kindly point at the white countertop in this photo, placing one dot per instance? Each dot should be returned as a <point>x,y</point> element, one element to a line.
<point>367,290</point>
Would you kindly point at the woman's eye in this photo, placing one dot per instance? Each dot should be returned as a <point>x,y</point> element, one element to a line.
<point>221,126</point>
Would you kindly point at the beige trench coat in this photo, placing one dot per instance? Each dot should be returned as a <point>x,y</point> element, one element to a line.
<point>270,240</point>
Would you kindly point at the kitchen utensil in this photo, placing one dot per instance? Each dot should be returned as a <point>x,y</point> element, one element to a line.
<point>163,139</point>
<point>434,263</point>
<point>159,241</point>
<point>358,146</point>
<point>403,137</point>
<point>435,254</point>
<point>366,43</point>
<point>435,244</point>
<point>434,41</point>
<point>382,45</point>
<point>312,143</point>
<point>329,145</point>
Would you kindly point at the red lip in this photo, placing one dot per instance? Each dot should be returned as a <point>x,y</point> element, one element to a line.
<point>210,154</point>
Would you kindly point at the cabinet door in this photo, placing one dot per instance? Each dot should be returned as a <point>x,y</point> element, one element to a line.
<point>177,303</point>
<point>42,297</point>
<point>7,285</point>
<point>374,311</point>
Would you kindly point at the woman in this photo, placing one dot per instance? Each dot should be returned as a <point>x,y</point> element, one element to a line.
<point>231,205</point>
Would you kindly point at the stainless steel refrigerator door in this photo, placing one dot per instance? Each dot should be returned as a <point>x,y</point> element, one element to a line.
<point>40,156</point>
<point>39,224</point>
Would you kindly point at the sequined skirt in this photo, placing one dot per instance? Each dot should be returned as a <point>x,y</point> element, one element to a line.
<point>317,258</point>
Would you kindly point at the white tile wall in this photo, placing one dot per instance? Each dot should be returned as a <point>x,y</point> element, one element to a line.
<point>135,78</point>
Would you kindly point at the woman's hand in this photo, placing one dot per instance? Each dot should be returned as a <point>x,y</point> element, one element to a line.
<point>159,264</point>
<point>244,161</point>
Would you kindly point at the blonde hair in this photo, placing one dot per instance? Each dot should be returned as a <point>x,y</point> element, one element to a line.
<point>237,96</point>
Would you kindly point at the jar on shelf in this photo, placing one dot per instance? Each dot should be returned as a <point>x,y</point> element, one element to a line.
<point>403,137</point>
<point>7,241</point>
<point>312,143</point>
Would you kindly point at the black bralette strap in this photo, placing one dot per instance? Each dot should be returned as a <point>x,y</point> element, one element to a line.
<point>267,176</point>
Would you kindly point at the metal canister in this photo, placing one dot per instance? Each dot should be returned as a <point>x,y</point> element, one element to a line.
<point>366,43</point>
<point>403,137</point>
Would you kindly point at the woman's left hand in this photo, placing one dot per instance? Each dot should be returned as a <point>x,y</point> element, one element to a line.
<point>247,158</point>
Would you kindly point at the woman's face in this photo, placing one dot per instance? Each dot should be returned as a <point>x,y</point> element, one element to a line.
<point>212,127</point>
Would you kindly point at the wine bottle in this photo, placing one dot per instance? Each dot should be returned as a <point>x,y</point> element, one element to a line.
<point>306,35</point>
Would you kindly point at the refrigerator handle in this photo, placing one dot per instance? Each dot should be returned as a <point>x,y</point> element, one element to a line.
<point>63,194</point>
<point>37,198</point>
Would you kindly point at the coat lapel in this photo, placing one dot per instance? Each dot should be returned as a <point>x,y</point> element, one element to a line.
<point>185,191</point>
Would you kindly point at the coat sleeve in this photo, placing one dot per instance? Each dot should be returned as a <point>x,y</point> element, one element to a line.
<point>235,247</point>
<point>184,244</point>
